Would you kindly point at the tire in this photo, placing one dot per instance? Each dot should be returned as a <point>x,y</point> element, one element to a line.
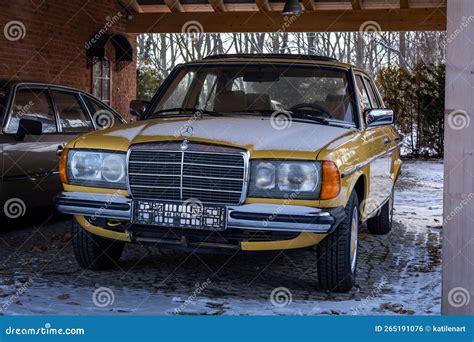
<point>382,223</point>
<point>337,253</point>
<point>93,252</point>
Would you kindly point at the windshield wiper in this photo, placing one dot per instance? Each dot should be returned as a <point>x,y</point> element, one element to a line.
<point>321,120</point>
<point>314,118</point>
<point>184,110</point>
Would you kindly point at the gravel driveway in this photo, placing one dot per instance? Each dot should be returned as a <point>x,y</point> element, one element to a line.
<point>397,274</point>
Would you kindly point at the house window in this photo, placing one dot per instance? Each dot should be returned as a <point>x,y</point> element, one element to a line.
<point>101,80</point>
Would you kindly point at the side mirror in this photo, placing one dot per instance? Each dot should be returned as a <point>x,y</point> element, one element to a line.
<point>28,127</point>
<point>138,107</point>
<point>379,117</point>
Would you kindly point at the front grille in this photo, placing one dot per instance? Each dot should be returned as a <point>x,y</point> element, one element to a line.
<point>209,173</point>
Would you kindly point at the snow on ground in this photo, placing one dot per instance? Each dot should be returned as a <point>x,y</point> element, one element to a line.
<point>397,274</point>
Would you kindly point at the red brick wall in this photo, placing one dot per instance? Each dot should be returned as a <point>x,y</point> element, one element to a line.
<point>53,47</point>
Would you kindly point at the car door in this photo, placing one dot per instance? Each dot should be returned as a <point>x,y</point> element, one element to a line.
<point>379,142</point>
<point>30,171</point>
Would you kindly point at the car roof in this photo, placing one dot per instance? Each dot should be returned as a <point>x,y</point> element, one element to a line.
<point>273,58</point>
<point>11,83</point>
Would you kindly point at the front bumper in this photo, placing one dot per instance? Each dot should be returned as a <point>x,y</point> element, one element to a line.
<point>259,217</point>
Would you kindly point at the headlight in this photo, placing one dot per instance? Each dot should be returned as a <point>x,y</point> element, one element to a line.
<point>282,179</point>
<point>95,168</point>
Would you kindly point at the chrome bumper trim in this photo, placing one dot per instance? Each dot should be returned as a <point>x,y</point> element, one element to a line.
<point>94,205</point>
<point>260,217</point>
<point>286,218</point>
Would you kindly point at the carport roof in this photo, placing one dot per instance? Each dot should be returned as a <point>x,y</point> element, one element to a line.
<point>171,16</point>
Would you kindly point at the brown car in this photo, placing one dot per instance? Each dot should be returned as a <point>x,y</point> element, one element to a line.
<point>37,121</point>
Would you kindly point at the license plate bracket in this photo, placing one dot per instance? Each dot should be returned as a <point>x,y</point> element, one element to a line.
<point>186,215</point>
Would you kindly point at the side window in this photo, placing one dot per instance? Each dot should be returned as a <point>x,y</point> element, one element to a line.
<point>364,97</point>
<point>101,114</point>
<point>33,104</point>
<point>370,90</point>
<point>72,116</point>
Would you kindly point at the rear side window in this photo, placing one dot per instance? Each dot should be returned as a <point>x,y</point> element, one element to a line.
<point>102,115</point>
<point>72,115</point>
<point>33,104</point>
<point>370,91</point>
<point>364,97</point>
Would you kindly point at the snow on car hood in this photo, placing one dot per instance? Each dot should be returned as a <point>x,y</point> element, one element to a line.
<point>254,133</point>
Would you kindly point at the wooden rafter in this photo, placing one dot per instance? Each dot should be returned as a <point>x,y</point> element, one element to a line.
<point>217,5</point>
<point>263,5</point>
<point>309,5</point>
<point>174,5</point>
<point>404,3</point>
<point>356,4</point>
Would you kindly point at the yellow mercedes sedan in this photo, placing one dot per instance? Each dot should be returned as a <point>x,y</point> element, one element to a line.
<point>240,153</point>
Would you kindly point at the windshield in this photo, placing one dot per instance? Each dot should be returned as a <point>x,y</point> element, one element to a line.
<point>260,88</point>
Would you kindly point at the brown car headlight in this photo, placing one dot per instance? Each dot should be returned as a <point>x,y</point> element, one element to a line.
<point>284,179</point>
<point>96,168</point>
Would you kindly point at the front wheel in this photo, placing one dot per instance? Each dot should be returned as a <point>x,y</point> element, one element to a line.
<point>93,252</point>
<point>337,253</point>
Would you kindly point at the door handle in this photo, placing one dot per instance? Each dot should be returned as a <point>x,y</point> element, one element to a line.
<point>386,141</point>
<point>59,150</point>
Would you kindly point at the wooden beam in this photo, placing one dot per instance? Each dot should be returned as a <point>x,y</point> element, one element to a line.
<point>309,5</point>
<point>458,232</point>
<point>263,5</point>
<point>356,4</point>
<point>404,3</point>
<point>132,5</point>
<point>335,21</point>
<point>174,6</point>
<point>217,5</point>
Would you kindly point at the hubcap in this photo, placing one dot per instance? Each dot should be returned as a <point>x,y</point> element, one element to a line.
<point>354,237</point>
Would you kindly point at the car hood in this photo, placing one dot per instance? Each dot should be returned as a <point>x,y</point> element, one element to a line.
<point>251,133</point>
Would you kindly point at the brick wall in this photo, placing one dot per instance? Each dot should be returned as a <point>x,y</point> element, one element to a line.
<point>53,46</point>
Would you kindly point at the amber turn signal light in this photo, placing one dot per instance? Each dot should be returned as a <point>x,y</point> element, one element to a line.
<point>330,181</point>
<point>63,166</point>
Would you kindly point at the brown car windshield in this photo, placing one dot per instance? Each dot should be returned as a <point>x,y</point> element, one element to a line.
<point>239,89</point>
